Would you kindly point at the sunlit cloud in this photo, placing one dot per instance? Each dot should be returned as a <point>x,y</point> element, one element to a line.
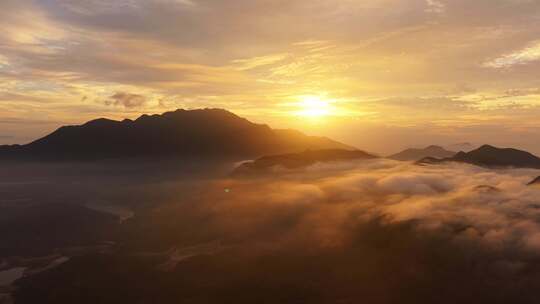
<point>521,57</point>
<point>435,6</point>
<point>497,208</point>
<point>252,63</point>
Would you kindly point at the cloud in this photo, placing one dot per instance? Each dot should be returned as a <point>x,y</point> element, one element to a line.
<point>317,207</point>
<point>380,217</point>
<point>127,100</point>
<point>435,6</point>
<point>440,198</point>
<point>521,57</point>
<point>251,63</point>
<point>463,231</point>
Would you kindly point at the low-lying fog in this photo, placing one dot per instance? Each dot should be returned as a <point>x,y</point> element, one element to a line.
<point>379,231</point>
<point>320,205</point>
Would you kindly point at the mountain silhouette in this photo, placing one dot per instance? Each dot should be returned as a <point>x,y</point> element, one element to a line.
<point>490,156</point>
<point>418,154</point>
<point>300,160</point>
<point>199,133</point>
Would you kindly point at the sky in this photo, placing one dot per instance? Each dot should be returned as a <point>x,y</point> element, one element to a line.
<point>381,75</point>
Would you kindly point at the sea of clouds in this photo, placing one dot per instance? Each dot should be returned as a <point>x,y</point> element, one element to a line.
<point>376,231</point>
<point>495,208</point>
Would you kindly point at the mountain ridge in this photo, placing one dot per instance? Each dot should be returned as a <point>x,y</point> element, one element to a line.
<point>300,160</point>
<point>196,133</point>
<point>415,154</point>
<point>491,156</point>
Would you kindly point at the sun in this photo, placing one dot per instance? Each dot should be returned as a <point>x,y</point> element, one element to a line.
<point>312,106</point>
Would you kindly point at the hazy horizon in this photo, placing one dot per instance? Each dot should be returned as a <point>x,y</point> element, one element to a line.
<point>367,141</point>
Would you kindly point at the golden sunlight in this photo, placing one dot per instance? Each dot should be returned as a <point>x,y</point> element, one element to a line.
<point>313,106</point>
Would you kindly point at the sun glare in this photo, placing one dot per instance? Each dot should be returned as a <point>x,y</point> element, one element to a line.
<point>313,107</point>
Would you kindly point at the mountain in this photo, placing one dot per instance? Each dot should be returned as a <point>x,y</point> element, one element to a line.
<point>300,160</point>
<point>464,146</point>
<point>535,182</point>
<point>417,154</point>
<point>194,133</point>
<point>489,156</point>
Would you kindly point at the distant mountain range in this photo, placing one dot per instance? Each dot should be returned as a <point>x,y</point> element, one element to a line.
<point>300,160</point>
<point>200,133</point>
<point>489,156</point>
<point>418,154</point>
